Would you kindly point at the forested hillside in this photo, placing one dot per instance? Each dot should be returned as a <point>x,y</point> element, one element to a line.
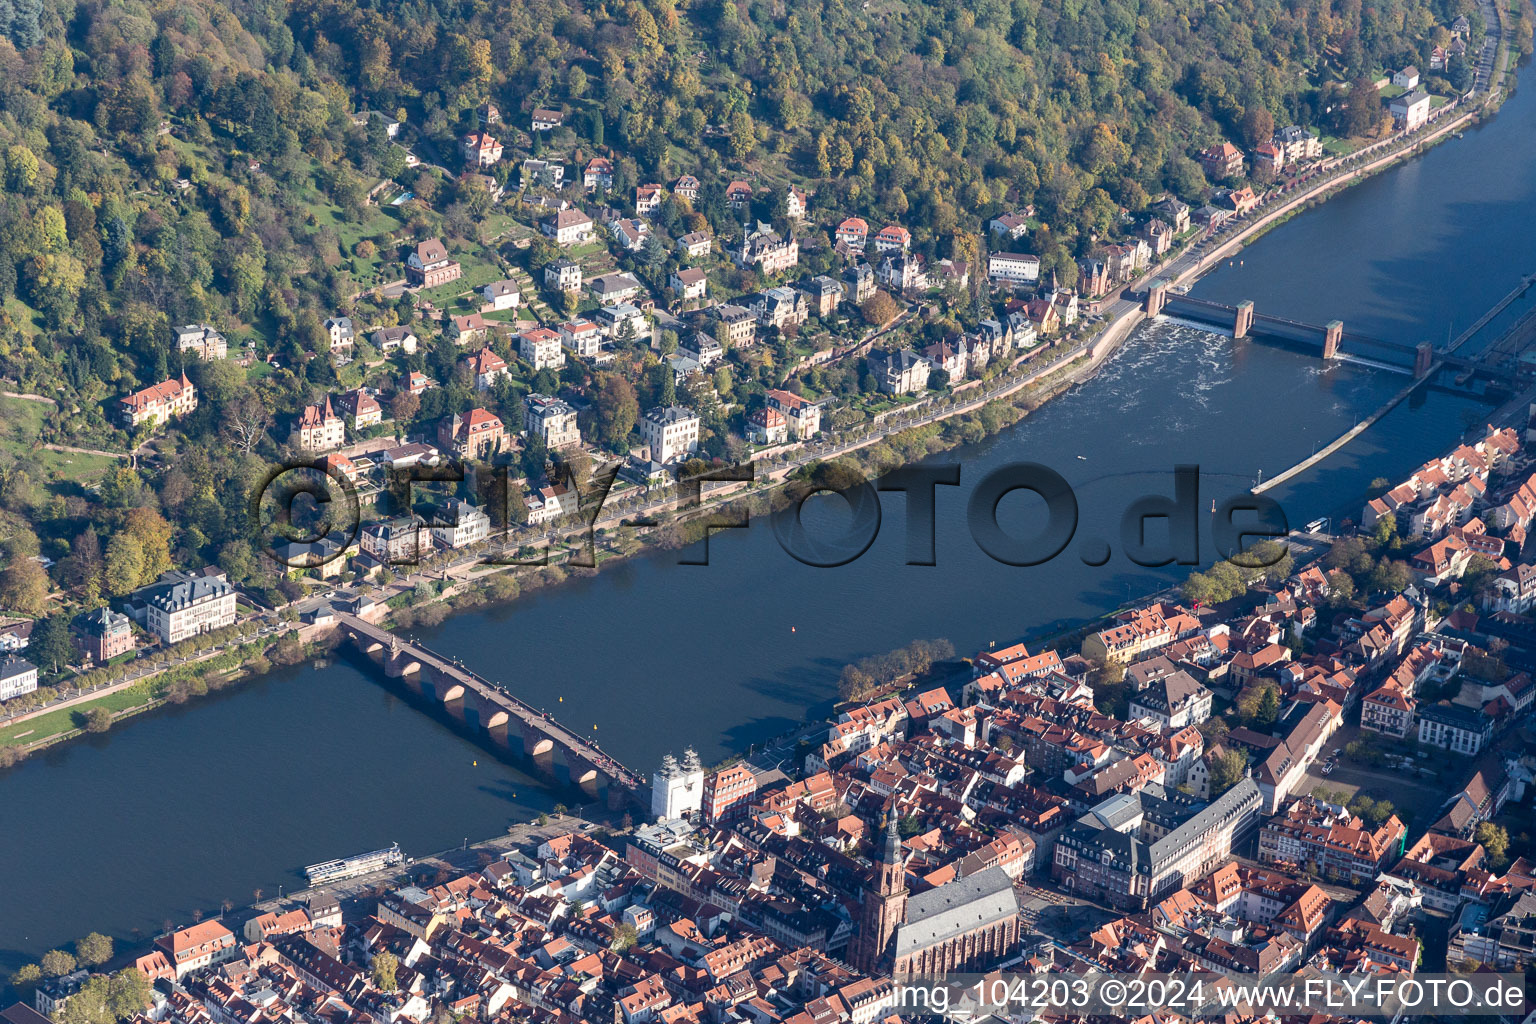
<point>197,161</point>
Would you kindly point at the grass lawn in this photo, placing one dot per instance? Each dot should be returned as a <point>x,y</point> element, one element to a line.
<point>55,722</point>
<point>21,423</point>
<point>82,468</point>
<point>27,319</point>
<point>1436,102</point>
<point>1392,92</point>
<point>1335,146</point>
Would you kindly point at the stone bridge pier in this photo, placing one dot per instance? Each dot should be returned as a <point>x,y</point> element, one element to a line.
<point>1333,332</point>
<point>1242,320</point>
<point>1423,359</point>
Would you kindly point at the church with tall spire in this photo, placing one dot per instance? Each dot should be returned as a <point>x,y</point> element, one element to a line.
<point>884,906</point>
<point>967,924</point>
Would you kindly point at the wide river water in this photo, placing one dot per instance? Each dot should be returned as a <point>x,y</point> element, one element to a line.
<point>182,809</point>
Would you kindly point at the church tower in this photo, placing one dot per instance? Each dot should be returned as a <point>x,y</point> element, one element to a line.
<point>884,907</point>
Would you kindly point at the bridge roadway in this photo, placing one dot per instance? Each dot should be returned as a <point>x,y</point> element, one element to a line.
<point>542,735</point>
<point>1482,321</point>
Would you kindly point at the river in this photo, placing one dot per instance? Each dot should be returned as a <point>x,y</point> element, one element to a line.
<point>188,807</point>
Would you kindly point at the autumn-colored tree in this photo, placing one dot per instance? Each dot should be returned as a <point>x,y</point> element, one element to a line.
<point>880,309</point>
<point>24,586</point>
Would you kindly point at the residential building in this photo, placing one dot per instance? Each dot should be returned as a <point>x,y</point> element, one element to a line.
<point>1013,268</point>
<point>540,349</point>
<point>428,265</point>
<point>388,339</point>
<point>597,176</point>
<point>795,203</point>
<point>552,421</point>
<point>543,174</point>
<point>647,199</point>
<point>738,195</point>
<point>948,356</point>
<point>320,429</point>
<point>488,114</point>
<point>629,233</point>
<point>501,295</point>
<point>544,120</point>
<point>202,945</point>
<point>860,281</point>
<point>343,337</point>
<point>1242,200</point>
<point>1298,144</point>
<point>480,150</point>
<point>823,293</point>
<point>468,328</point>
<point>740,325</point>
<point>1174,212</point>
<point>361,409</point>
<point>902,273</point>
<point>702,349</point>
<point>802,414</point>
<point>696,244</point>
<point>102,635</point>
<point>1159,235</point>
<point>1175,699</point>
<point>1388,710</point>
<point>1327,839</point>
<point>727,793</point>
<point>550,502</point>
<point>1410,111</point>
<point>689,283</point>
<point>183,604</point>
<point>567,227</point>
<point>1407,78</point>
<point>767,426</point>
<point>486,368</point>
<point>477,434</point>
<point>582,337</point>
<point>902,372</point>
<point>1134,634</point>
<point>1268,156</point>
<point>779,307</point>
<point>1012,226</point>
<point>687,186</point>
<point>158,403</point>
<point>563,275</point>
<point>338,467</point>
<point>765,251</point>
<point>671,432</point>
<point>201,340</point>
<point>893,238</point>
<point>853,233</point>
<point>463,525</point>
<point>1502,937</point>
<point>1223,161</point>
<point>391,124</point>
<point>620,286</point>
<point>17,676</point>
<point>397,541</point>
<point>622,322</point>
